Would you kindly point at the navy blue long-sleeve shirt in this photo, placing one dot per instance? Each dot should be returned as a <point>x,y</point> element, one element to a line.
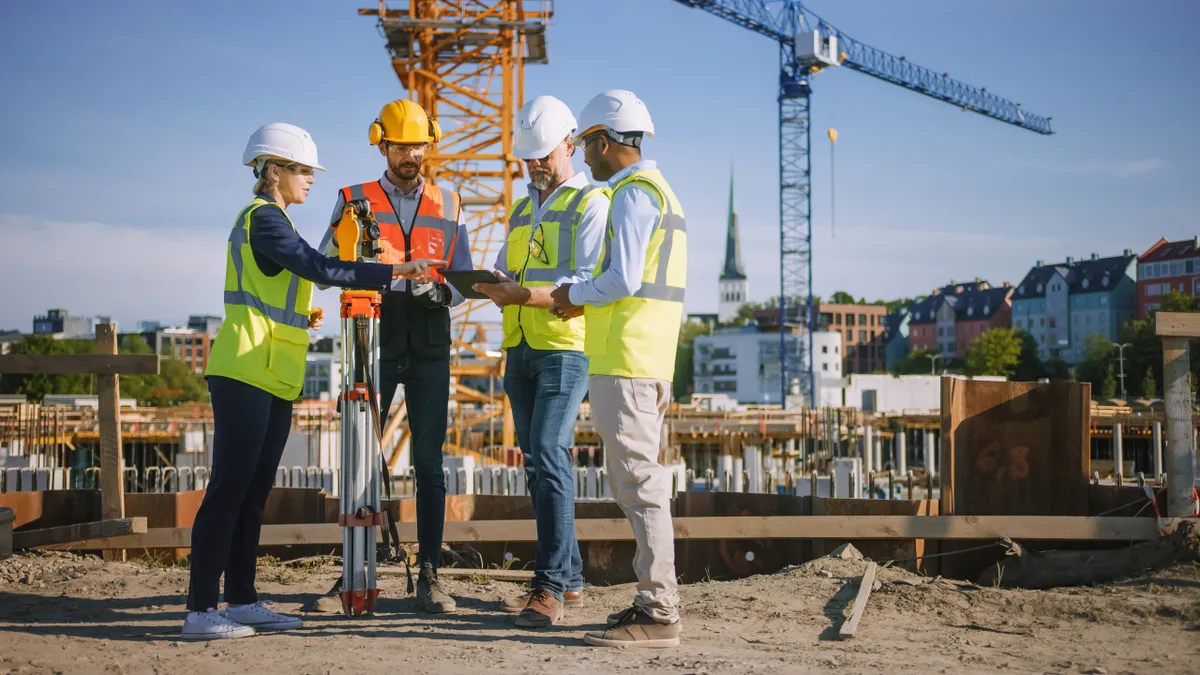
<point>277,246</point>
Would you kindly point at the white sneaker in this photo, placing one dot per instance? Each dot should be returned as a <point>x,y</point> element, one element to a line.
<point>260,617</point>
<point>213,625</point>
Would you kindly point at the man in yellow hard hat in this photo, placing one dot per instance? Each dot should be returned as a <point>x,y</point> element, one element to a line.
<point>416,220</point>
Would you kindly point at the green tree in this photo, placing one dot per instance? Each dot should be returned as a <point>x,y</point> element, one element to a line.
<point>1029,363</point>
<point>996,352</point>
<point>916,363</point>
<point>35,387</point>
<point>1149,386</point>
<point>1057,369</point>
<point>175,383</point>
<point>685,362</point>
<point>1108,383</point>
<point>842,298</point>
<point>1098,356</point>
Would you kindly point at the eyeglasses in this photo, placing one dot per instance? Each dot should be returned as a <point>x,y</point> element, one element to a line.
<point>403,148</point>
<point>299,169</point>
<point>537,246</point>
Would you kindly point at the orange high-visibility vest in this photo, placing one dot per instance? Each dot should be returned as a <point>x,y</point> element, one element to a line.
<point>433,231</point>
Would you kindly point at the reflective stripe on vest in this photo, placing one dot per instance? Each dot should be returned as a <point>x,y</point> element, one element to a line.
<point>263,341</point>
<point>637,336</point>
<point>287,314</point>
<point>558,225</point>
<point>658,288</point>
<point>434,229</point>
<point>567,219</point>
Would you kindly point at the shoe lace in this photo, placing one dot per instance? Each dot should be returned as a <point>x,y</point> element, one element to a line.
<point>627,617</point>
<point>540,595</point>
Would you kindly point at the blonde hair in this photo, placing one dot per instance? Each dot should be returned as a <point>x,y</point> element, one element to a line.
<point>265,182</point>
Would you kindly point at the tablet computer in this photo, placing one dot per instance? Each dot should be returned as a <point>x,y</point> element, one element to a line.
<point>464,279</point>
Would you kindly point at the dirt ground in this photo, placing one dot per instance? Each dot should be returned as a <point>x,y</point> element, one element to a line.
<point>67,613</point>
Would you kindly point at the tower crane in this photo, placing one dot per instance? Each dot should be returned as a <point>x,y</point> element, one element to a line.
<point>807,45</point>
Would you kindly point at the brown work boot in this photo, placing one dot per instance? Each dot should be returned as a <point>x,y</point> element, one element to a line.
<point>517,604</point>
<point>635,630</point>
<point>430,596</point>
<point>543,610</point>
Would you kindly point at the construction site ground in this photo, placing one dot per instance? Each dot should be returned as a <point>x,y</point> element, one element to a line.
<point>67,613</point>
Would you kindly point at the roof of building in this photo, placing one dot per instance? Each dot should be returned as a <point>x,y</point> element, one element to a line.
<point>1083,276</point>
<point>982,304</point>
<point>1100,274</point>
<point>1171,250</point>
<point>925,309</point>
<point>892,323</point>
<point>733,269</point>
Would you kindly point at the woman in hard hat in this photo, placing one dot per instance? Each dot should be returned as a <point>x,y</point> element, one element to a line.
<point>255,371</point>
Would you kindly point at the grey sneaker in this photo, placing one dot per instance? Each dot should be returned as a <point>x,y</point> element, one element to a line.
<point>430,595</point>
<point>636,630</point>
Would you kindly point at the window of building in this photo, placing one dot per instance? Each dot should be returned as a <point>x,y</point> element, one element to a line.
<point>1053,323</point>
<point>862,336</point>
<point>941,331</point>
<point>1188,267</point>
<point>824,366</point>
<point>837,319</point>
<point>835,349</point>
<point>824,349</point>
<point>862,319</point>
<point>1041,323</point>
<point>849,336</point>
<point>849,319</point>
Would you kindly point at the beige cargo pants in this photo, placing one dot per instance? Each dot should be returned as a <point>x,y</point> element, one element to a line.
<point>628,413</point>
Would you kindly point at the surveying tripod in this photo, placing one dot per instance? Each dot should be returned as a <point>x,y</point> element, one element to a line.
<point>363,467</point>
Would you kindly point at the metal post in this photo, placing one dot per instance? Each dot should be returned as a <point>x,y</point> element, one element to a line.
<point>868,457</point>
<point>901,464</point>
<point>1118,454</point>
<point>1157,450</point>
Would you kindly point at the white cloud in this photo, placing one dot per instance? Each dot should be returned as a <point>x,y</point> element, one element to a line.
<point>90,268</point>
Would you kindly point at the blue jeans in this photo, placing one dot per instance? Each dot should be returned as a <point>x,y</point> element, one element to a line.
<point>546,388</point>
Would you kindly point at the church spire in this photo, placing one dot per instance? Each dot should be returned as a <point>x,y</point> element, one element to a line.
<point>733,268</point>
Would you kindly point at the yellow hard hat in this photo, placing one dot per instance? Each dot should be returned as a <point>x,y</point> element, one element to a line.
<point>403,121</point>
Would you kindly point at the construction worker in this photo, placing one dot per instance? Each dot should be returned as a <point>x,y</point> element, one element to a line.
<point>633,306</point>
<point>554,236</point>
<point>416,220</point>
<point>255,371</point>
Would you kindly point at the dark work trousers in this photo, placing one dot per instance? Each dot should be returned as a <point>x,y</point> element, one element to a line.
<point>250,428</point>
<point>427,394</point>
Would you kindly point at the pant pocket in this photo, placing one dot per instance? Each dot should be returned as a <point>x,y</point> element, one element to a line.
<point>645,397</point>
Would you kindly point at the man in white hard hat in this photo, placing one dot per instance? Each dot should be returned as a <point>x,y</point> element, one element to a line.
<point>633,307</point>
<point>554,236</point>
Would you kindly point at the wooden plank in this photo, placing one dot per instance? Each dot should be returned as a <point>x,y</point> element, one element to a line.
<point>951,417</point>
<point>76,364</point>
<point>78,532</point>
<point>860,603</point>
<point>1177,324</point>
<point>1181,464</point>
<point>112,484</point>
<point>716,527</point>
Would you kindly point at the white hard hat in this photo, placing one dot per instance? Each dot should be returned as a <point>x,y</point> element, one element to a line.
<point>285,141</point>
<point>542,124</point>
<point>617,110</point>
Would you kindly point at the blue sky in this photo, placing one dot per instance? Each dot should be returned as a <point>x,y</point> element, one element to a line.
<point>124,122</point>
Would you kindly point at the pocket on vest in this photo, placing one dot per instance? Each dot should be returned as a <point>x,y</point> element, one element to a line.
<point>286,356</point>
<point>437,327</point>
<point>599,324</point>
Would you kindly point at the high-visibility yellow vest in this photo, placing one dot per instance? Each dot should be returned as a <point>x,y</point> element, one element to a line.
<point>637,336</point>
<point>264,339</point>
<point>538,256</point>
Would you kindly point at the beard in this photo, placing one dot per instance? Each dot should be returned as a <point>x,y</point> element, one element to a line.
<point>406,170</point>
<point>543,180</point>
